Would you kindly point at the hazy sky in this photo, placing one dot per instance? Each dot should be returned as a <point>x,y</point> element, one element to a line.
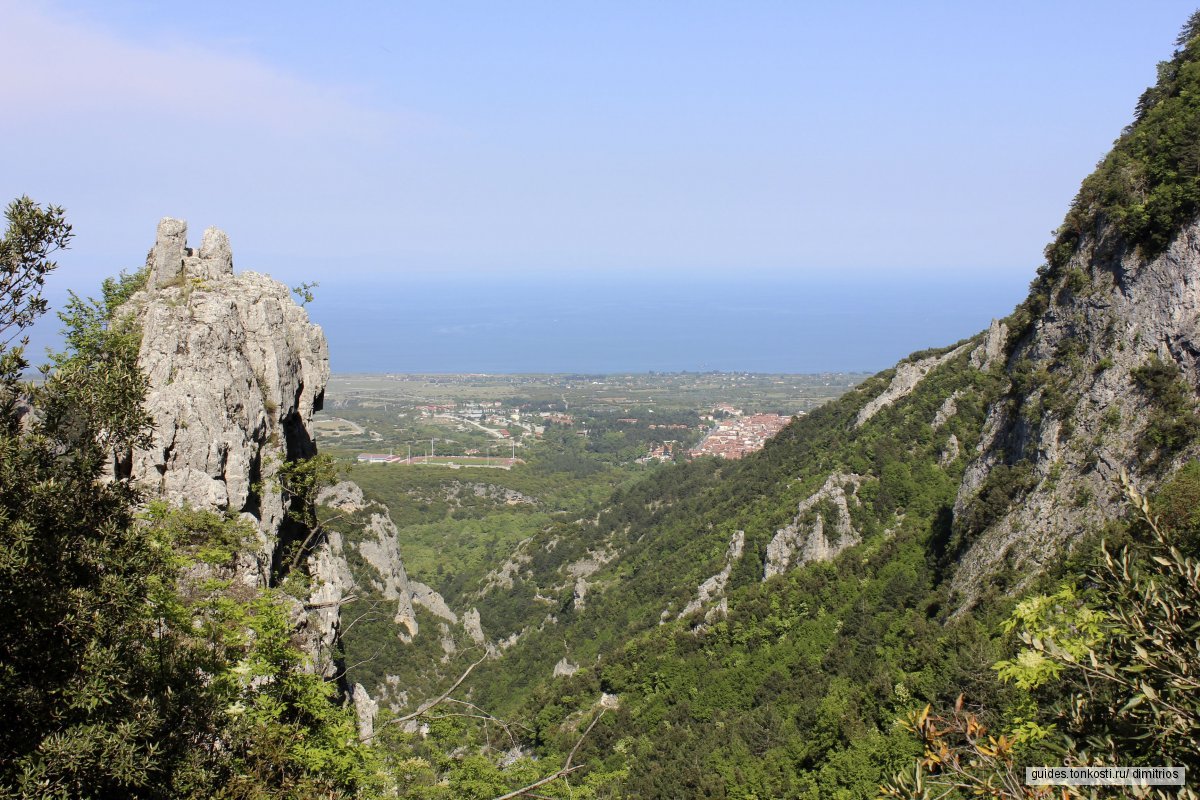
<point>362,144</point>
<point>539,136</point>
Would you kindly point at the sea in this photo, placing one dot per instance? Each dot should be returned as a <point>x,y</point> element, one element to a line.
<point>629,323</point>
<point>595,323</point>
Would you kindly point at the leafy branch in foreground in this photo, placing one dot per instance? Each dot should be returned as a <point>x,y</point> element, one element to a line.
<point>32,235</point>
<point>1117,669</point>
<point>962,757</point>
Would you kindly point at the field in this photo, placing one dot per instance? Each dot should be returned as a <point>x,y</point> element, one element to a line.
<point>459,419</point>
<point>456,462</point>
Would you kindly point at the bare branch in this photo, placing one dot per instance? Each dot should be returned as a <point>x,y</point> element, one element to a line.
<point>372,609</point>
<point>426,706</point>
<point>502,723</point>
<point>575,749</point>
<point>306,546</point>
<point>524,790</point>
<point>359,663</point>
<point>512,739</point>
<point>566,770</point>
<point>350,598</point>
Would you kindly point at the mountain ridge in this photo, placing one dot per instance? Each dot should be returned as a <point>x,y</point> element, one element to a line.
<point>926,500</point>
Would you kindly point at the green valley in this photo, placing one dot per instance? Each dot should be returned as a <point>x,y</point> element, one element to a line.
<point>227,573</point>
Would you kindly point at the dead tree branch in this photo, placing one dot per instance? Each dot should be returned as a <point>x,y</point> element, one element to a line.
<point>427,706</point>
<point>566,770</point>
<point>430,704</point>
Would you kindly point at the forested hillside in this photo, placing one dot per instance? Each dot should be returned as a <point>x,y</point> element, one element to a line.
<point>985,558</point>
<point>768,628</point>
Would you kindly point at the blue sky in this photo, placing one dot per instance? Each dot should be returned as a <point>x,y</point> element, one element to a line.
<point>362,144</point>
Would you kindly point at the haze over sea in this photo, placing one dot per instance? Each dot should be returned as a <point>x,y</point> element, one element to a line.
<point>584,187</point>
<point>626,323</point>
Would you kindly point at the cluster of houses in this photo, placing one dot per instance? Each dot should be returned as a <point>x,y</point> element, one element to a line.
<point>739,435</point>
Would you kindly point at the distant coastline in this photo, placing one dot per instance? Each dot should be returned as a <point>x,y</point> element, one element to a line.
<point>582,324</point>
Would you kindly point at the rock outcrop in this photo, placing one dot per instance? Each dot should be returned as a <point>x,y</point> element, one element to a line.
<point>991,349</point>
<point>908,375</point>
<point>564,668</point>
<point>236,371</point>
<point>428,598</point>
<point>380,549</point>
<point>947,410</point>
<point>1082,419</point>
<point>805,539</point>
<point>714,587</point>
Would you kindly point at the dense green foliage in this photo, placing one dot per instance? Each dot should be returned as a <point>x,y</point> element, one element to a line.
<point>75,572</point>
<point>1172,420</point>
<point>1109,672</point>
<point>1148,186</point>
<point>132,663</point>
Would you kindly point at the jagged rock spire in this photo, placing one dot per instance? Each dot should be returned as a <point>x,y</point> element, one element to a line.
<point>171,260</point>
<point>236,371</point>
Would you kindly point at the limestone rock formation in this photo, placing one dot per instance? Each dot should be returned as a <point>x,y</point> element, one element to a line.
<point>473,626</point>
<point>1084,422</point>
<point>380,550</point>
<point>432,600</point>
<point>365,710</point>
<point>908,375</point>
<point>564,668</point>
<point>236,371</point>
<point>947,410</point>
<point>992,347</point>
<point>714,586</point>
<point>805,539</point>
<point>950,452</point>
<point>579,571</point>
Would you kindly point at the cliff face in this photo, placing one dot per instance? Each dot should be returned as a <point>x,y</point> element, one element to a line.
<point>236,371</point>
<point>1078,412</point>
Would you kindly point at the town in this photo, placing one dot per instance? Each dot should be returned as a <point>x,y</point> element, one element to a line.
<point>501,421</point>
<point>739,434</point>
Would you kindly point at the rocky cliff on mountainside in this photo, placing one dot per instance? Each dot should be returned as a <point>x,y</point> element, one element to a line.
<point>235,372</point>
<point>1117,330</point>
<point>816,533</point>
<point>1102,361</point>
<point>367,528</point>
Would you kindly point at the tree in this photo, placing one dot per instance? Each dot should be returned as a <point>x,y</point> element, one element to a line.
<point>33,234</point>
<point>132,664</point>
<point>1113,670</point>
<point>78,646</point>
